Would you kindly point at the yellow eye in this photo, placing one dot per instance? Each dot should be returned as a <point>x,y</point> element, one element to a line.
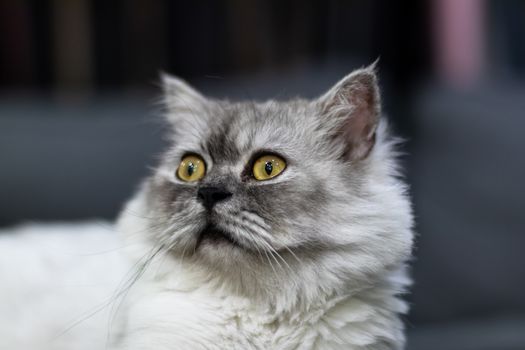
<point>191,168</point>
<point>268,166</point>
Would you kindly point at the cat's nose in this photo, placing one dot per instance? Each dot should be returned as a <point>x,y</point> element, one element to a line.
<point>210,195</point>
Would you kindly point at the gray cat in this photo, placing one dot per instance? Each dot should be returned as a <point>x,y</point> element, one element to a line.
<point>276,225</point>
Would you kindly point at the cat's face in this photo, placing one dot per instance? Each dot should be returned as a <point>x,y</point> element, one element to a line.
<point>243,182</point>
<point>266,181</point>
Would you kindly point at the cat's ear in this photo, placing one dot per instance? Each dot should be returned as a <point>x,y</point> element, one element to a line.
<point>180,99</point>
<point>352,109</point>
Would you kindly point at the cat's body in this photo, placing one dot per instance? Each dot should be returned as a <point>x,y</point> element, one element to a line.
<point>277,225</point>
<point>309,257</point>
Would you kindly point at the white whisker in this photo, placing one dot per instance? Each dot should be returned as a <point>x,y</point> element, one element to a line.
<point>255,218</point>
<point>293,254</point>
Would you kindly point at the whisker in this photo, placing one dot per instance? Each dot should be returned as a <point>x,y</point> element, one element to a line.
<point>141,216</point>
<point>255,241</point>
<point>262,236</point>
<point>122,294</point>
<point>273,251</point>
<point>255,219</point>
<point>170,245</point>
<point>293,254</point>
<point>260,232</point>
<point>110,300</point>
<point>269,261</point>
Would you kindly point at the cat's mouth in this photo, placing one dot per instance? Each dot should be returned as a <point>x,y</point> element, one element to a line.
<point>214,235</point>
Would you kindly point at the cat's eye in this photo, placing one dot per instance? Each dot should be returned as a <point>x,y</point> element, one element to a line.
<point>267,167</point>
<point>191,168</point>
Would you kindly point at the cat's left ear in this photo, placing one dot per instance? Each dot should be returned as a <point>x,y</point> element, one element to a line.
<point>351,109</point>
<point>181,100</point>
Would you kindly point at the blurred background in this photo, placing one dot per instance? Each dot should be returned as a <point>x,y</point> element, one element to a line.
<point>78,122</point>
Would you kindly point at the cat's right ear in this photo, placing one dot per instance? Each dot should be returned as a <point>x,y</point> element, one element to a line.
<point>180,99</point>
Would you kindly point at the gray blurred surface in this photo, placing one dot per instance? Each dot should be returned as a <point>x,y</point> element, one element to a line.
<point>83,160</point>
<point>475,334</point>
<point>469,192</point>
<point>76,161</point>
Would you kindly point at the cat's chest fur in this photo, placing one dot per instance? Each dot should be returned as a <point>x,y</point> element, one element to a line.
<point>161,316</point>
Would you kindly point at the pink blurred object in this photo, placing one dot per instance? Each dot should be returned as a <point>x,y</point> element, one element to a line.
<point>458,39</point>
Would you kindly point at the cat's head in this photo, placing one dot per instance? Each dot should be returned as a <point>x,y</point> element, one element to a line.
<point>305,188</point>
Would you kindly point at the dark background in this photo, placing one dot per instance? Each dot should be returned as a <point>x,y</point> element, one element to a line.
<point>78,120</point>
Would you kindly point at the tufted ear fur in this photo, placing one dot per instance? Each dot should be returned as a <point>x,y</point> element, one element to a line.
<point>352,109</point>
<point>180,99</point>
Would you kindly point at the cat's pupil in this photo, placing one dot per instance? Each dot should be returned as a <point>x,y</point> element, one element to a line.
<point>191,169</point>
<point>268,167</point>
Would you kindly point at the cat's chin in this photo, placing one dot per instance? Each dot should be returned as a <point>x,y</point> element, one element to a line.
<point>214,236</point>
<point>219,246</point>
<point>221,255</point>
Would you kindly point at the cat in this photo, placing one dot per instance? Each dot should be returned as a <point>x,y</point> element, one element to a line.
<point>275,225</point>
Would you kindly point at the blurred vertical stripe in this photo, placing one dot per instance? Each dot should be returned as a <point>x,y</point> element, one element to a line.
<point>16,44</point>
<point>72,48</point>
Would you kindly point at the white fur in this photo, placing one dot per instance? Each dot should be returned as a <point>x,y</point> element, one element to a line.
<point>53,275</point>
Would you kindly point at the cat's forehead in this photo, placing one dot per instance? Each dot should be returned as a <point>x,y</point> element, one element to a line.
<point>236,129</point>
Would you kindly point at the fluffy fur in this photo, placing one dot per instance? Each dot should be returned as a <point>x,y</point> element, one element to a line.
<point>311,259</point>
<point>56,285</point>
<point>318,253</point>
